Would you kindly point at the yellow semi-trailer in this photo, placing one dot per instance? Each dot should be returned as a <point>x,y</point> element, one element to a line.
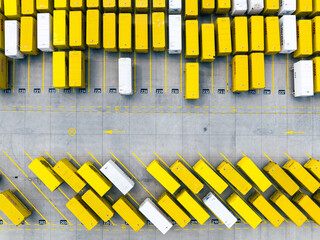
<point>186,176</point>
<point>110,32</point>
<point>129,213</point>
<point>267,210</point>
<point>191,9</point>
<point>244,210</point>
<point>256,34</point>
<point>98,204</point>
<point>173,209</point>
<point>235,178</point>
<point>301,175</point>
<point>208,51</point>
<point>271,7</point>
<point>44,6</point>
<point>304,8</point>
<point>288,208</point>
<point>282,179</point>
<point>77,30</point>
<point>109,5</point>
<point>60,70</point>
<point>60,29</point>
<point>141,33</point>
<point>316,75</point>
<point>304,39</point>
<point>28,8</point>
<point>257,78</point>
<point>125,32</point>
<point>313,166</point>
<point>240,73</point>
<point>315,8</point>
<point>93,28</point>
<point>163,176</point>
<point>94,4</point>
<point>223,6</point>
<point>3,71</point>
<point>207,6</point>
<point>12,9</point>
<point>94,178</point>
<point>239,29</point>
<point>316,34</point>
<point>223,36</point>
<point>77,69</point>
<point>272,36</point>
<point>68,172</point>
<point>159,5</point>
<point>191,81</point>
<point>2,30</point>
<point>125,5</point>
<point>78,5</point>
<point>43,170</point>
<point>254,173</point>
<point>62,4</point>
<point>13,208</point>
<point>82,212</point>
<point>141,6</point>
<point>28,35</point>
<point>158,32</point>
<point>192,38</point>
<point>192,206</point>
<point>316,196</point>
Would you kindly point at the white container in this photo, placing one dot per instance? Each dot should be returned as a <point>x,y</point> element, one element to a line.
<point>219,210</point>
<point>174,6</point>
<point>303,78</point>
<point>238,7</point>
<point>287,7</point>
<point>255,7</point>
<point>12,39</point>
<point>175,40</point>
<point>288,34</point>
<point>118,178</point>
<point>44,34</point>
<point>125,76</point>
<point>155,216</point>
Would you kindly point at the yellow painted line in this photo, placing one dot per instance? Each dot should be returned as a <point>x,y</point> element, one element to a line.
<point>64,194</point>
<point>132,174</point>
<point>273,73</point>
<point>165,70</point>
<point>139,160</point>
<point>50,157</point>
<point>135,71</point>
<point>161,160</point>
<point>150,46</point>
<point>73,159</point>
<point>95,159</point>
<point>88,69</point>
<point>288,156</point>
<point>28,71</point>
<point>28,155</point>
<point>227,74</point>
<point>308,155</point>
<point>287,72</point>
<point>181,72</point>
<point>43,69</point>
<point>3,221</point>
<point>268,157</point>
<point>133,199</point>
<point>184,160</point>
<point>13,73</point>
<point>104,71</point>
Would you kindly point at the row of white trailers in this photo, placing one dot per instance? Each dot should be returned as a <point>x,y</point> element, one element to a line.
<point>154,213</point>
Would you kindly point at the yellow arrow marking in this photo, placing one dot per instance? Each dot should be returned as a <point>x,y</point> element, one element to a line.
<point>110,131</point>
<point>292,132</point>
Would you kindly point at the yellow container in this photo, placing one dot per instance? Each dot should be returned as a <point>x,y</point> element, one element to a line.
<point>93,29</point>
<point>254,173</point>
<point>270,7</point>
<point>98,204</point>
<point>158,32</point>
<point>43,170</point>
<point>94,178</point>
<point>239,28</point>
<point>240,73</point>
<point>125,5</point>
<point>125,32</point>
<point>60,70</point>
<point>94,4</point>
<point>186,177</point>
<point>313,166</point>
<point>45,6</point>
<point>82,212</point>
<point>267,210</point>
<point>68,172</point>
<point>223,36</point>
<point>60,29</point>
<point>302,175</point>
<point>223,6</point>
<point>13,208</point>
<point>28,35</point>
<point>109,5</point>
<point>316,196</point>
<point>308,206</point>
<point>110,32</point>
<point>288,208</point>
<point>207,6</point>
<point>192,206</point>
<point>304,8</point>
<point>272,36</point>
<point>316,74</point>
<point>1,6</point>
<point>234,177</point>
<point>210,176</point>
<point>191,81</point>
<point>159,5</point>
<point>256,34</point>
<point>141,6</point>
<point>77,30</point>
<point>244,210</point>
<point>12,9</point>
<point>304,37</point>
<point>141,33</point>
<point>192,38</point>
<point>316,34</point>
<point>3,71</point>
<point>208,51</point>
<point>129,213</point>
<point>191,9</point>
<point>2,19</point>
<point>172,208</point>
<point>163,176</point>
<point>281,178</point>
<point>77,69</point>
<point>256,71</point>
<point>315,8</point>
<point>62,4</point>
<point>77,5</point>
<point>28,7</point>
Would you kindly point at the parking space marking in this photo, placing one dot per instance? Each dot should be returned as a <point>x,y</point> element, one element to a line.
<point>73,159</point>
<point>28,72</point>
<point>287,72</point>
<point>88,69</point>
<point>135,71</point>
<point>161,160</point>
<point>50,157</point>
<point>43,69</point>
<point>272,73</point>
<point>104,71</point>
<point>95,159</point>
<point>64,194</point>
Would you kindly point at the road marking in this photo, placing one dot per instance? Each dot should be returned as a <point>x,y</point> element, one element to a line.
<point>139,160</point>
<point>150,46</point>
<point>135,71</point>
<point>104,71</point>
<point>13,73</point>
<point>88,69</point>
<point>73,159</point>
<point>64,194</point>
<point>292,132</point>
<point>28,71</point>
<point>181,67</point>
<point>227,74</point>
<point>95,159</point>
<point>161,160</point>
<point>308,155</point>
<point>111,131</point>
<point>165,70</point>
<point>43,69</point>
<point>287,72</point>
<point>50,157</point>
<point>133,199</point>
<point>273,73</point>
<point>184,160</point>
<point>288,156</point>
